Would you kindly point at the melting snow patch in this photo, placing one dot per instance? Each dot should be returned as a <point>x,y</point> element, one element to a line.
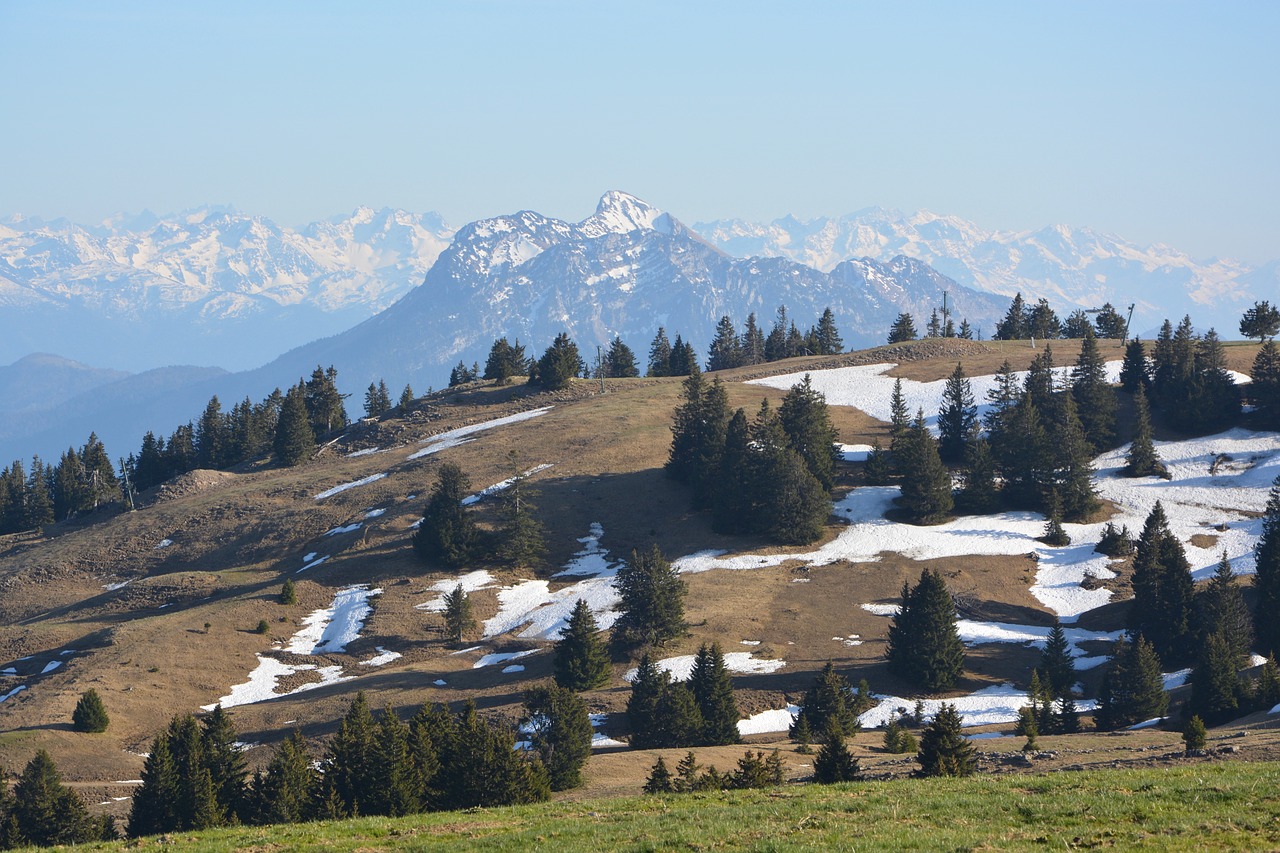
<point>851,640</point>
<point>382,657</point>
<point>164,543</point>
<point>750,642</point>
<point>470,582</point>
<point>332,628</point>
<point>8,671</point>
<point>14,692</point>
<point>1173,680</point>
<point>50,666</point>
<point>681,667</point>
<point>368,451</point>
<point>502,486</point>
<point>455,437</point>
<point>883,609</point>
<point>1146,724</point>
<point>592,559</point>
<point>364,481</point>
<point>855,452</point>
<point>991,705</point>
<point>309,557</point>
<point>440,682</point>
<point>261,685</point>
<point>350,528</point>
<point>1256,660</point>
<point>515,667</point>
<point>374,513</point>
<point>778,720</point>
<point>312,564</point>
<point>499,657</point>
<point>546,613</point>
<point>112,587</point>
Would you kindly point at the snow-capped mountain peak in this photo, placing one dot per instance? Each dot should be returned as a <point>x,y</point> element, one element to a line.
<point>622,213</point>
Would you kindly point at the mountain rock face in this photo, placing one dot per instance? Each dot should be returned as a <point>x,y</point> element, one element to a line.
<point>626,270</point>
<point>1071,267</point>
<point>208,286</point>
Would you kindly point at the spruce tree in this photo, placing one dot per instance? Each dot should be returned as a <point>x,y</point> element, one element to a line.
<point>1095,398</point>
<point>724,352</point>
<point>789,503</point>
<point>878,469</point>
<point>1268,690</point>
<point>834,762</point>
<point>903,329</point>
<point>505,360</point>
<point>924,647</point>
<point>1194,735</point>
<point>752,342</point>
<point>226,765</point>
<point>1132,688</point>
<point>807,423</point>
<point>282,793</point>
<point>432,745</point>
<point>288,592</point>
<point>679,720</point>
<point>1142,459</point>
<point>1266,584</point>
<point>829,702</point>
<point>713,691</point>
<point>458,621</point>
<point>521,540</point>
<point>620,361</point>
<point>647,689</point>
<point>154,807</point>
<point>899,417</point>
<point>45,811</point>
<point>406,398</point>
<point>828,336</point>
<point>1134,369</point>
<point>447,533</point>
<point>944,750</point>
<point>1216,689</point>
<point>396,786</point>
<point>1042,322</point>
<point>90,715</point>
<point>1220,609</point>
<point>1163,592</point>
<point>559,729</point>
<point>294,439</point>
<point>733,507</point>
<point>659,355</point>
<point>651,600</point>
<point>1264,391</point>
<point>348,762</point>
<point>581,659</point>
<point>684,361</point>
<point>1071,479</point>
<point>926,483</point>
<point>1057,667</point>
<point>978,491</point>
<point>1014,325</point>
<point>559,364</point>
<point>957,418</point>
<point>660,780</point>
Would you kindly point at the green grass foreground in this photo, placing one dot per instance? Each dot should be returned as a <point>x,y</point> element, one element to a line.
<point>1230,806</point>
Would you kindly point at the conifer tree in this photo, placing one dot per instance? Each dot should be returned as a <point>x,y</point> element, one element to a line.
<point>505,360</point>
<point>1194,735</point>
<point>679,719</point>
<point>1266,584</point>
<point>897,739</point>
<point>713,691</point>
<point>620,361</point>
<point>45,811</point>
<point>1268,691</point>
<point>828,337</point>
<point>1261,321</point>
<point>1134,370</point>
<point>197,805</point>
<point>924,647</point>
<point>978,491</point>
<point>154,807</point>
<point>660,355</point>
<point>926,483</point>
<point>211,436</point>
<point>559,729</point>
<point>944,750</point>
<point>687,776</point>
<point>834,762</point>
<point>829,702</point>
<point>432,743</point>
<point>1132,688</point>
<point>878,469</point>
<point>683,359</point>
<point>1077,325</point>
<point>1264,391</point>
<point>1162,591</point>
<point>903,329</point>
<point>522,542</point>
<point>560,363</point>
<point>1057,667</point>
<point>1216,689</point>
<point>90,715</point>
<point>957,418</point>
<point>752,342</point>
<point>1142,459</point>
<point>458,621</point>
<point>733,505</point>
<point>790,504</point>
<point>899,417</point>
<point>1042,322</point>
<point>660,780</point>
<point>647,689</point>
<point>294,439</point>
<point>807,423</point>
<point>348,763</point>
<point>288,592</point>
<point>406,398</point>
<point>581,659</point>
<point>396,790</point>
<point>775,344</point>
<point>225,763</point>
<point>1220,609</point>
<point>698,436</point>
<point>324,402</point>
<point>933,329</point>
<point>282,793</point>
<point>377,400</point>
<point>1071,480</point>
<point>1014,325</point>
<point>724,352</point>
<point>1095,399</point>
<point>652,600</point>
<point>447,533</point>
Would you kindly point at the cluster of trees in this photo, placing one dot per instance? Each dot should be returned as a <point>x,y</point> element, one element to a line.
<point>449,534</point>
<point>773,475</point>
<point>42,812</point>
<point>1040,321</point>
<point>830,708</point>
<point>670,359</point>
<point>377,399</point>
<point>754,770</point>
<point>904,328</point>
<point>752,346</point>
<point>196,778</point>
<point>699,712</point>
<point>1186,378</point>
<point>82,481</point>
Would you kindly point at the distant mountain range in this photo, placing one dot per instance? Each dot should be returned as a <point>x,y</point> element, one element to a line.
<point>208,286</point>
<point>400,296</point>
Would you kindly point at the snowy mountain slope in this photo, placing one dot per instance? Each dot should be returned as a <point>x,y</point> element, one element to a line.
<point>625,270</point>
<point>1072,267</point>
<point>209,285</point>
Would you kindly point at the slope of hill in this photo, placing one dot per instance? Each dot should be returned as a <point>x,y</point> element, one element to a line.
<point>209,286</point>
<point>1071,267</point>
<point>156,609</point>
<point>41,380</point>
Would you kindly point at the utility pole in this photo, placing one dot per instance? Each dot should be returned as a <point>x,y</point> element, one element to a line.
<point>128,487</point>
<point>600,367</point>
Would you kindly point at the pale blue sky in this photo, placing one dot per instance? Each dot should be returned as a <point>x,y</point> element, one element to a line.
<point>1156,121</point>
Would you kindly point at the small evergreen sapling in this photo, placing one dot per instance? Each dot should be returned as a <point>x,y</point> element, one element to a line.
<point>834,762</point>
<point>944,750</point>
<point>288,592</point>
<point>90,715</point>
<point>1194,735</point>
<point>660,780</point>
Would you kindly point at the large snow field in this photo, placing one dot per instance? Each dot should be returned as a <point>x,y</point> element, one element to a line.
<point>490,491</point>
<point>999,703</point>
<point>363,481</point>
<point>766,722</point>
<point>546,613</point>
<point>867,387</point>
<point>332,628</point>
<point>261,684</point>
<point>681,667</point>
<point>462,435</point>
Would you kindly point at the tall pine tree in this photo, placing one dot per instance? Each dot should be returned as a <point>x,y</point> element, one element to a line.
<point>924,646</point>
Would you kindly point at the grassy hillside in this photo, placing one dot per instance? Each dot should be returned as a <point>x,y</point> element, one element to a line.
<point>1199,807</point>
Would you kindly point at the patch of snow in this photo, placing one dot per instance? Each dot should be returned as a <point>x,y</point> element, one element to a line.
<point>440,682</point>
<point>455,437</point>
<point>976,633</point>
<point>681,666</point>
<point>1256,660</point>
<point>350,528</point>
<point>799,580</point>
<point>50,666</point>
<point>1173,680</point>
<point>331,629</point>
<point>312,564</point>
<point>368,451</point>
<point>500,657</point>
<point>363,481</point>
<point>489,491</point>
<point>593,559</point>
<point>382,657</point>
<point>599,741</point>
<point>261,684</point>
<point>8,671</point>
<point>164,543</point>
<point>851,640</point>
<point>112,587</point>
<point>470,582</point>
<point>1146,724</point>
<point>467,649</point>
<point>986,736</point>
<point>749,642</point>
<point>855,452</point>
<point>778,720</point>
<point>989,706</point>
<point>14,692</point>
<point>127,782</point>
<point>311,556</point>
<point>515,667</point>
<point>374,513</point>
<point>883,609</point>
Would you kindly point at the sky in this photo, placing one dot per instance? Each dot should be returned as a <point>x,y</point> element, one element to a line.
<point>1156,121</point>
